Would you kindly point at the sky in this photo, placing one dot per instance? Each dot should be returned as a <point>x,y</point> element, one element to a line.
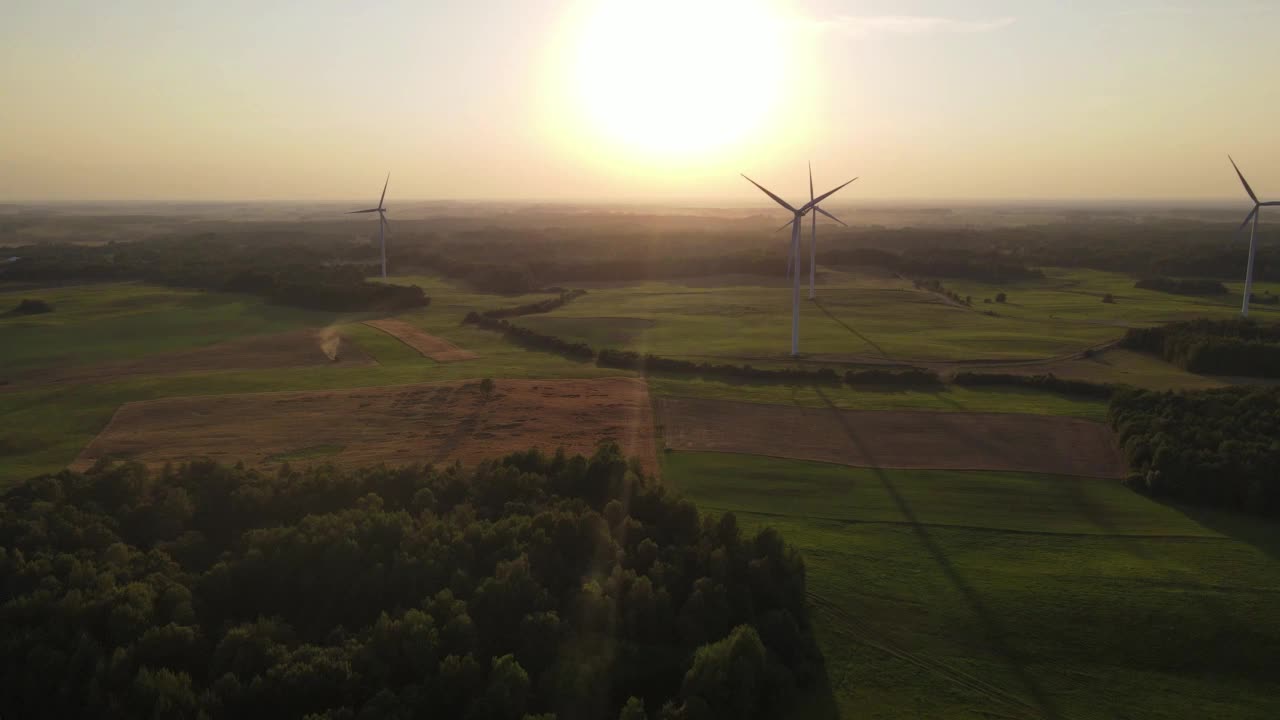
<point>629,100</point>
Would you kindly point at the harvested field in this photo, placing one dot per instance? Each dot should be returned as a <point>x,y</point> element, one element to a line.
<point>424,423</point>
<point>893,439</point>
<point>430,346</point>
<point>298,348</point>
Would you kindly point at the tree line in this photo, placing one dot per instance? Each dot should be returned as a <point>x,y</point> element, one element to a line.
<point>1182,286</point>
<point>534,308</point>
<point>1047,382</point>
<point>1217,447</point>
<point>1238,346</point>
<point>535,586</point>
<point>312,275</point>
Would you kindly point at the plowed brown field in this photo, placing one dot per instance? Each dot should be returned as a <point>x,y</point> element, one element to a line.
<point>430,346</point>
<point>433,422</point>
<point>893,439</point>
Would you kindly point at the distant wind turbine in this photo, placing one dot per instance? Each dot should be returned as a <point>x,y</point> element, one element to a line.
<point>797,214</point>
<point>382,224</point>
<point>813,235</point>
<point>1253,215</point>
<point>813,238</point>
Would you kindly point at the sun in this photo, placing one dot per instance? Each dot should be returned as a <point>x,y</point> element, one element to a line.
<point>671,79</point>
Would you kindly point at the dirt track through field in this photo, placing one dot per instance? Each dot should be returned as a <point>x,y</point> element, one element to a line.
<point>430,346</point>
<point>424,423</point>
<point>299,348</point>
<point>893,439</point>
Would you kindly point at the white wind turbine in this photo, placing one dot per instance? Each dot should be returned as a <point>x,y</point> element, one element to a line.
<point>382,224</point>
<point>813,234</point>
<point>797,214</point>
<point>813,238</point>
<point>1253,215</point>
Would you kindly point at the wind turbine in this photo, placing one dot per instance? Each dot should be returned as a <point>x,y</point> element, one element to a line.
<point>813,234</point>
<point>797,214</point>
<point>813,238</point>
<point>382,224</point>
<point>1253,215</point>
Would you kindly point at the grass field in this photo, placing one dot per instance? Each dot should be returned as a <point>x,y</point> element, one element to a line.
<point>99,323</point>
<point>978,594</point>
<point>871,318</point>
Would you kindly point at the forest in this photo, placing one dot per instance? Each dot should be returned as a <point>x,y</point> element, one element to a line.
<point>1217,447</point>
<point>1239,346</point>
<point>1182,286</point>
<point>535,586</point>
<point>292,269</point>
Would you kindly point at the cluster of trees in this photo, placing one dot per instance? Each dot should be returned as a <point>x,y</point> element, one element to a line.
<point>1048,382</point>
<point>543,306</point>
<point>907,377</point>
<point>1238,346</point>
<point>531,587</point>
<point>937,287</point>
<point>631,360</point>
<point>28,306</point>
<point>532,339</point>
<point>327,279</point>
<point>1182,286</point>
<point>1217,447</point>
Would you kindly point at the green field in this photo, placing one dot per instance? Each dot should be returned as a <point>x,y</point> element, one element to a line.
<point>964,594</point>
<point>98,323</point>
<point>871,318</point>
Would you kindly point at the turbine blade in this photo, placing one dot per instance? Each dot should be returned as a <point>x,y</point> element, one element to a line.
<point>353,212</point>
<point>1243,181</point>
<point>385,222</point>
<point>384,190</point>
<point>824,196</point>
<point>811,181</point>
<point>833,217</point>
<point>1273,202</point>
<point>776,199</point>
<point>1247,218</point>
<point>784,226</point>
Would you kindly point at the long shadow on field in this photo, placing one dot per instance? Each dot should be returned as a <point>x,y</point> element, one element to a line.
<point>994,629</point>
<point>1261,533</point>
<point>851,329</point>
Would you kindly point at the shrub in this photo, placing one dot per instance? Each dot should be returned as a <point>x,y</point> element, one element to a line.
<point>29,306</point>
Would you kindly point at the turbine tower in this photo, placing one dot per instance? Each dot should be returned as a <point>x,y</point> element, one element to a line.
<point>797,214</point>
<point>1253,234</point>
<point>813,232</point>
<point>382,224</point>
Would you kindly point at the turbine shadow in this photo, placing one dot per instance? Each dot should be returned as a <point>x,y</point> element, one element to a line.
<point>851,329</point>
<point>994,629</point>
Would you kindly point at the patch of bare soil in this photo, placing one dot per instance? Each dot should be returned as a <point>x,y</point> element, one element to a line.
<point>893,439</point>
<point>299,348</point>
<point>424,423</point>
<point>430,346</point>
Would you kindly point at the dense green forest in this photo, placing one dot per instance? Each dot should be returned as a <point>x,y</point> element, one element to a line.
<point>1182,286</point>
<point>1238,346</point>
<point>1216,447</point>
<point>534,586</point>
<point>290,269</point>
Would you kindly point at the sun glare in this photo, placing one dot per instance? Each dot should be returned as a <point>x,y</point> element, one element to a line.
<point>679,78</point>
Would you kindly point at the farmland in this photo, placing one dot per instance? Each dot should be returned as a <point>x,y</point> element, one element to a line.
<point>962,584</point>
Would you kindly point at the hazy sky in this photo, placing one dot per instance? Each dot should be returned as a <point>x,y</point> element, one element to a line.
<point>636,100</point>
